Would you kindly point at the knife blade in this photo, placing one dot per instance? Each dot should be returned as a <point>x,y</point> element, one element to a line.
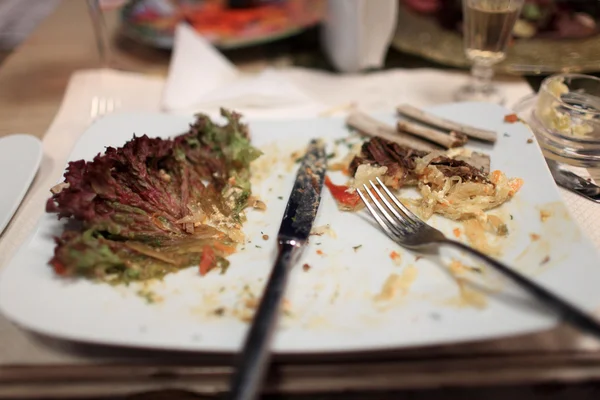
<point>573,182</point>
<point>294,231</point>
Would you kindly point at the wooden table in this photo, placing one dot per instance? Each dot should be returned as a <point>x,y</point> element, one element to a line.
<point>32,82</point>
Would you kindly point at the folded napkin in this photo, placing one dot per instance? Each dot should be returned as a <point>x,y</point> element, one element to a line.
<point>202,79</point>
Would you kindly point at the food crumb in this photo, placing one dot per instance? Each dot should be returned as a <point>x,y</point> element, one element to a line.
<point>530,140</point>
<point>320,252</point>
<point>417,258</point>
<point>511,118</point>
<point>265,237</point>
<point>396,258</point>
<point>456,232</point>
<point>534,236</point>
<point>397,285</point>
<point>219,311</point>
<point>545,260</point>
<point>544,215</point>
<point>306,267</point>
<point>457,268</point>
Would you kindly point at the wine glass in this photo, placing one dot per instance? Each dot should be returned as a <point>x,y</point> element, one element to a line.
<point>100,32</point>
<point>487,28</point>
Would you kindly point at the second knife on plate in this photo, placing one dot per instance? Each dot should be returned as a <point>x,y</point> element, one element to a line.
<point>296,224</point>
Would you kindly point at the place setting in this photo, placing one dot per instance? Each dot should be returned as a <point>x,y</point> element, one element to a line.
<point>279,226</point>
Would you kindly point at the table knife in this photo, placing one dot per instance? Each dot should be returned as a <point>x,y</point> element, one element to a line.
<point>296,224</point>
<point>573,182</point>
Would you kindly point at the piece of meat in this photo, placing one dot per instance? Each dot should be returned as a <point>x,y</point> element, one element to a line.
<point>399,160</point>
<point>400,163</point>
<point>453,167</point>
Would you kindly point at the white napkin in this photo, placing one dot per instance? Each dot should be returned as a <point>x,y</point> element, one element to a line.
<point>201,79</point>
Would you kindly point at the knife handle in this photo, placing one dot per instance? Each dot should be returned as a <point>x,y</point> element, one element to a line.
<point>252,364</point>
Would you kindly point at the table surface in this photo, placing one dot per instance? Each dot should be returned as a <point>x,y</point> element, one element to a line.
<point>32,82</point>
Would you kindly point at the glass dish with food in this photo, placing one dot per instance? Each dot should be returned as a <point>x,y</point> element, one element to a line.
<point>565,117</point>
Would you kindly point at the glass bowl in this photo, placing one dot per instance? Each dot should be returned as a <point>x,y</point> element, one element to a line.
<point>565,117</point>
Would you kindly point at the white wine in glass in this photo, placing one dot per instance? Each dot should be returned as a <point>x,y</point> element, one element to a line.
<point>487,28</point>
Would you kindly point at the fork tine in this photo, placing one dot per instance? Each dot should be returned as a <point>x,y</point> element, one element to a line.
<point>377,217</point>
<point>94,108</point>
<point>110,105</point>
<point>411,216</point>
<point>391,222</point>
<point>403,219</point>
<point>102,106</point>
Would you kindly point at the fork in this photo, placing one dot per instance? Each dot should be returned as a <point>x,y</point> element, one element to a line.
<point>408,230</point>
<point>103,105</point>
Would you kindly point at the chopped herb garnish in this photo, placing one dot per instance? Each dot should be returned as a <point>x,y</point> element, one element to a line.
<point>357,247</point>
<point>506,134</point>
<point>330,156</point>
<point>511,217</point>
<point>280,197</point>
<point>257,246</point>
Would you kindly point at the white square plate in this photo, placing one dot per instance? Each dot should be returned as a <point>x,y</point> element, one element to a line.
<point>336,304</point>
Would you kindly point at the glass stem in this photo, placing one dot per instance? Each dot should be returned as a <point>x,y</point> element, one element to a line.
<point>99,25</point>
<point>482,75</point>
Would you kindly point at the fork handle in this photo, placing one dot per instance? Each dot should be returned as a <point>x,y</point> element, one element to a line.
<point>567,311</point>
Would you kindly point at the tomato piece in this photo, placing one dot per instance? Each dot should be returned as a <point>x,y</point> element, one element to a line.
<point>207,262</point>
<point>511,118</point>
<point>340,195</point>
<point>59,268</point>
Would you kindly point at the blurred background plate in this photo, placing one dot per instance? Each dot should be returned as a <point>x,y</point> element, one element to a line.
<point>226,23</point>
<point>423,35</point>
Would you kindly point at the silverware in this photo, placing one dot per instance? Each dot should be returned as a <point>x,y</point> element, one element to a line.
<point>405,228</point>
<point>573,182</point>
<point>294,231</point>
